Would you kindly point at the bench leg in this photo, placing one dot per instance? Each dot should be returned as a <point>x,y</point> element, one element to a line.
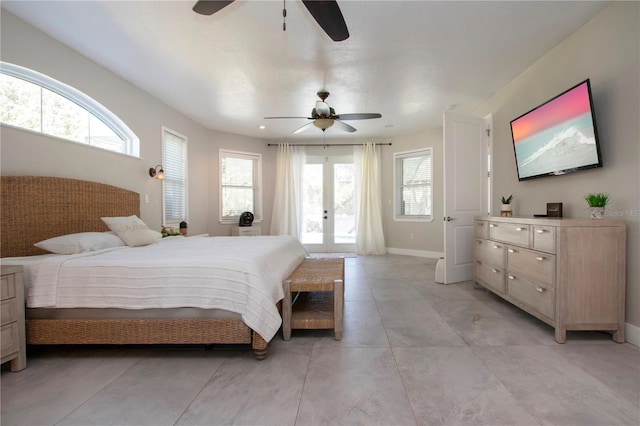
<point>286,310</point>
<point>338,307</point>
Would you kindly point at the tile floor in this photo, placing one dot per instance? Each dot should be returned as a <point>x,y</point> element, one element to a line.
<point>413,352</point>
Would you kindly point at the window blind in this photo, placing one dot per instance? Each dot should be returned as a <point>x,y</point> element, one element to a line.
<point>175,178</point>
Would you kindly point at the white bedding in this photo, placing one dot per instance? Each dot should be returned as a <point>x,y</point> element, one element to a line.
<point>237,274</point>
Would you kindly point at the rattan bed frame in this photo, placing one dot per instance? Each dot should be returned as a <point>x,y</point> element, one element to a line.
<point>35,208</point>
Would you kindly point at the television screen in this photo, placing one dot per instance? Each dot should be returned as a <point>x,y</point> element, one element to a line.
<point>557,137</point>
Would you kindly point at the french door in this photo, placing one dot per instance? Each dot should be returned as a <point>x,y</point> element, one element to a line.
<point>328,204</point>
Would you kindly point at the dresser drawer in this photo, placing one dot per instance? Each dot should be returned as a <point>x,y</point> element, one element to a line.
<point>544,238</point>
<point>490,276</point>
<point>534,264</point>
<point>538,296</point>
<point>8,286</point>
<point>482,229</point>
<point>511,233</point>
<point>8,311</point>
<point>9,339</point>
<point>490,252</point>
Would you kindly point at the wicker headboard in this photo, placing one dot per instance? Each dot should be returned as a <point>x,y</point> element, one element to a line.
<point>35,208</point>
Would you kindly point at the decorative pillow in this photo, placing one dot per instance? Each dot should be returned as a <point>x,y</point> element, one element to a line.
<point>80,242</point>
<point>133,231</point>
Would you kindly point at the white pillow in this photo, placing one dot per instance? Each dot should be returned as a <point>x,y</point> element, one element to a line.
<point>80,242</point>
<point>133,231</point>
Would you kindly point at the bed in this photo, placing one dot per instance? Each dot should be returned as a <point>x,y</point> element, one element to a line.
<point>38,208</point>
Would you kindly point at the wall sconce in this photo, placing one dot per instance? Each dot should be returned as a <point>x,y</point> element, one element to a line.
<point>157,172</point>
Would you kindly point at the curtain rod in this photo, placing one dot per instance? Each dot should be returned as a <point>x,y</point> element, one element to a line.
<point>327,144</point>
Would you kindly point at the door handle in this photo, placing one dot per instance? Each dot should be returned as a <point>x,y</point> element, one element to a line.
<point>449,218</point>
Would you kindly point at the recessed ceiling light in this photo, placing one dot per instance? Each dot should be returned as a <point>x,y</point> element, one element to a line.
<point>261,127</point>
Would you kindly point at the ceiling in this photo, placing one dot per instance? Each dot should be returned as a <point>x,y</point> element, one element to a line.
<point>408,60</point>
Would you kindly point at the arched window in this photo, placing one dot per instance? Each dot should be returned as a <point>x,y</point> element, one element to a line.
<point>33,101</point>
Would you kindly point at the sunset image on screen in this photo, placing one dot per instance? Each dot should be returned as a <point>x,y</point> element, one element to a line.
<point>570,105</point>
<point>557,136</point>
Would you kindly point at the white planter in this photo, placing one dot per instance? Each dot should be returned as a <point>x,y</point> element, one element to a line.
<point>596,212</point>
<point>506,210</point>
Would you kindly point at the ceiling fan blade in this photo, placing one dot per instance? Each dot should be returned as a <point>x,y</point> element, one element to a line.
<point>209,7</point>
<point>303,128</point>
<point>343,126</point>
<point>272,118</point>
<point>361,116</point>
<point>328,15</point>
<point>323,109</point>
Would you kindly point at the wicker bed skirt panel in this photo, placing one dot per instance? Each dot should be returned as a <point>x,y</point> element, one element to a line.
<point>139,331</point>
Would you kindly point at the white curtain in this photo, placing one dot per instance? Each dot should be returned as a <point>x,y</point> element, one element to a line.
<point>286,218</point>
<point>370,236</point>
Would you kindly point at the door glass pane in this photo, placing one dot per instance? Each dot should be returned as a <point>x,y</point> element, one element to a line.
<point>343,204</point>
<point>312,206</point>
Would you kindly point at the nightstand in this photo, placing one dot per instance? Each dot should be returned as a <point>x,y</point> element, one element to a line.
<point>246,231</point>
<point>12,313</point>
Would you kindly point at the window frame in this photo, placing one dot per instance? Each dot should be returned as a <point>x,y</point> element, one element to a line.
<point>166,167</point>
<point>93,107</point>
<point>397,185</point>
<point>257,184</point>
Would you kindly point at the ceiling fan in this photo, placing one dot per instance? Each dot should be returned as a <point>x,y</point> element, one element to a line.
<point>326,13</point>
<point>324,116</point>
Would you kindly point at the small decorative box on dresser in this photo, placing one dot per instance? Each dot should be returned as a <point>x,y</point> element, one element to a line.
<point>246,231</point>
<point>569,273</point>
<point>12,313</point>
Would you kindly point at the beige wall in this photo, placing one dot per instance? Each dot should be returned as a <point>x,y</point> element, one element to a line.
<point>428,237</point>
<point>606,50</point>
<point>24,152</point>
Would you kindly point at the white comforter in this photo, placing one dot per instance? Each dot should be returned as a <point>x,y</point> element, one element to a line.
<point>237,274</point>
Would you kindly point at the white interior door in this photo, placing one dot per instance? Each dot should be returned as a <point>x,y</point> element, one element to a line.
<point>466,151</point>
<point>328,205</point>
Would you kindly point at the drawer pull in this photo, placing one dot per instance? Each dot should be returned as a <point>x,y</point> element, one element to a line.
<point>541,231</point>
<point>541,258</point>
<point>480,224</point>
<point>497,271</point>
<point>478,262</point>
<point>541,289</point>
<point>519,228</point>
<point>493,226</point>
<point>511,277</point>
<point>497,247</point>
<point>512,250</point>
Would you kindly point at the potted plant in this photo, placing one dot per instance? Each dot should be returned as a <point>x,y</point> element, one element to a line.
<point>597,202</point>
<point>506,209</point>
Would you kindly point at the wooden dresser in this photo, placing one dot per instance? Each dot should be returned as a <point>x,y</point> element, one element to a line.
<point>569,273</point>
<point>12,313</point>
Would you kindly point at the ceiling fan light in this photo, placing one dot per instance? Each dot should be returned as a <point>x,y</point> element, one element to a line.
<point>323,123</point>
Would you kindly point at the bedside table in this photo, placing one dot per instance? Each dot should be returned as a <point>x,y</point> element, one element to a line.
<point>12,325</point>
<point>246,231</point>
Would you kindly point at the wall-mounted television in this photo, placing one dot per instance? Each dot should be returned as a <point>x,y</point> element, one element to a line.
<point>557,137</point>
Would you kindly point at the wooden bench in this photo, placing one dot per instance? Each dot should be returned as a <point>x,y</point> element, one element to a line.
<point>319,301</point>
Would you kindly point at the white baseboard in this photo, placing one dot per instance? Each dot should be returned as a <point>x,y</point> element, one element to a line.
<point>416,253</point>
<point>632,334</point>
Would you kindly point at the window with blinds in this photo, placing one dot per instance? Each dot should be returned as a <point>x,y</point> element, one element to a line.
<point>239,185</point>
<point>413,198</point>
<point>174,163</point>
